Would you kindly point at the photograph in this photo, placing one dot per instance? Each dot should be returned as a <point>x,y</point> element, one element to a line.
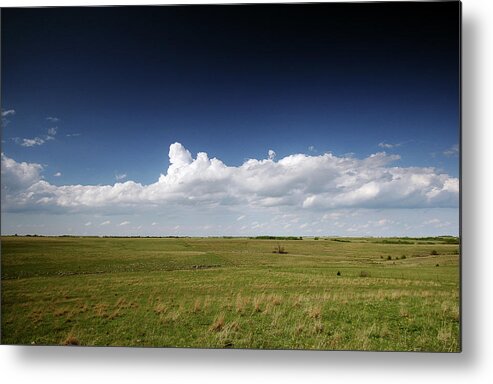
<point>232,176</point>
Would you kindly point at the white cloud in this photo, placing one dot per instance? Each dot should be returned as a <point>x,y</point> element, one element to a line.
<point>124,223</point>
<point>36,140</point>
<point>323,182</point>
<point>311,148</point>
<point>389,145</point>
<point>452,151</point>
<point>154,223</point>
<point>53,119</point>
<point>58,174</point>
<point>72,134</point>
<point>30,142</point>
<point>8,112</point>
<point>88,224</point>
<point>18,176</point>
<point>239,218</point>
<point>272,154</point>
<point>105,223</point>
<point>120,176</point>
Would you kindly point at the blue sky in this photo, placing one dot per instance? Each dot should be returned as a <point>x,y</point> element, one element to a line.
<point>98,96</point>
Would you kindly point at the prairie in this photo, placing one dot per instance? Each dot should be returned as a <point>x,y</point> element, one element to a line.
<point>395,294</point>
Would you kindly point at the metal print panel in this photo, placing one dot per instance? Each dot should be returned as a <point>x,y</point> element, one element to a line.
<point>279,176</point>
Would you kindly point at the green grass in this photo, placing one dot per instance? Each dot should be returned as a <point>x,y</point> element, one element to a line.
<point>232,293</point>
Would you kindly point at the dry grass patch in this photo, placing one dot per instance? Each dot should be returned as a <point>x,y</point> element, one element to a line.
<point>196,306</point>
<point>403,312</point>
<point>241,303</point>
<point>71,339</point>
<point>101,310</point>
<point>315,312</point>
<point>318,327</point>
<point>218,323</point>
<point>257,301</point>
<point>160,308</point>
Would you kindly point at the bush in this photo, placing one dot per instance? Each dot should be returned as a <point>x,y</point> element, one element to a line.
<point>389,257</point>
<point>338,273</point>
<point>364,274</point>
<point>434,252</point>
<point>279,249</point>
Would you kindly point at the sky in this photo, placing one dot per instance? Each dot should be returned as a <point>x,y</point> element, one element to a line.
<point>306,120</point>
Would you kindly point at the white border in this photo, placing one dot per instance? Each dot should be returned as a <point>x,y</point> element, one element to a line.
<point>126,365</point>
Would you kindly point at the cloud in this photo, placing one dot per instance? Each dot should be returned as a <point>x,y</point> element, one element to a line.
<point>318,183</point>
<point>311,148</point>
<point>120,176</point>
<point>58,174</point>
<point>36,141</point>
<point>105,223</point>
<point>8,112</point>
<point>388,145</point>
<point>29,142</point>
<point>124,223</point>
<point>272,154</point>
<point>88,224</point>
<point>18,176</point>
<point>72,134</point>
<point>239,218</point>
<point>452,151</point>
<point>53,119</point>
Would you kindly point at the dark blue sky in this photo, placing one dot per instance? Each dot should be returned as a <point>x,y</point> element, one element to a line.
<point>233,81</point>
<point>95,96</point>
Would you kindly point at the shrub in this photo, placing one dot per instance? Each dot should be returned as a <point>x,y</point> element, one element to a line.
<point>434,252</point>
<point>364,274</point>
<point>338,273</point>
<point>389,257</point>
<point>279,249</point>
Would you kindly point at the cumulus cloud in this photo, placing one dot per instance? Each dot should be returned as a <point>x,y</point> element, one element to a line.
<point>58,174</point>
<point>124,223</point>
<point>18,176</point>
<point>322,182</point>
<point>105,223</point>
<point>272,154</point>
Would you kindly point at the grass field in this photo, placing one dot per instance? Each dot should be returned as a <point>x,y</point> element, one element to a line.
<point>336,294</point>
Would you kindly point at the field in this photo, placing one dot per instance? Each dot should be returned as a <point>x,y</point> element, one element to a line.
<point>327,293</point>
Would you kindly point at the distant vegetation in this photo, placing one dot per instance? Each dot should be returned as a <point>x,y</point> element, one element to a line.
<point>277,238</point>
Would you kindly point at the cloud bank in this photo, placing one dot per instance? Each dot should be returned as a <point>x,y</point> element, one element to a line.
<point>299,181</point>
